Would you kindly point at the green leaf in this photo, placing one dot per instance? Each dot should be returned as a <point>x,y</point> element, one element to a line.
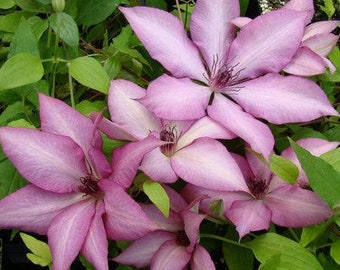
<point>272,263</point>
<point>291,254</point>
<point>38,26</point>
<point>236,257</point>
<point>123,39</point>
<point>34,6</point>
<point>94,12</point>
<point>333,134</point>
<point>283,168</point>
<point>161,4</point>
<point>335,251</point>
<point>10,179</point>
<point>158,196</point>
<point>86,106</point>
<point>243,6</point>
<point>6,4</point>
<point>21,123</point>
<point>9,23</point>
<point>21,69</point>
<point>24,41</point>
<point>310,233</point>
<point>333,158</point>
<point>41,253</point>
<point>86,263</point>
<point>334,56</point>
<point>87,71</point>
<point>324,180</point>
<point>66,28</point>
<point>328,8</point>
<point>11,112</point>
<point>112,66</point>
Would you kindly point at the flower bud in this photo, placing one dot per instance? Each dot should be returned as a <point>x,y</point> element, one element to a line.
<point>336,209</point>
<point>58,5</point>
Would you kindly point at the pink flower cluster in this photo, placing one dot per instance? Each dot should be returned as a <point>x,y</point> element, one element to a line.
<point>222,84</point>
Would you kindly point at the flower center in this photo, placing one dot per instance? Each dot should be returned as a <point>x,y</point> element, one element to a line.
<point>168,134</point>
<point>182,239</point>
<point>223,77</point>
<point>258,188</point>
<point>89,185</point>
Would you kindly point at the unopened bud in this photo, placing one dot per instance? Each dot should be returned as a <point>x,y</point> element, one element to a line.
<point>216,207</point>
<point>336,209</point>
<point>58,5</point>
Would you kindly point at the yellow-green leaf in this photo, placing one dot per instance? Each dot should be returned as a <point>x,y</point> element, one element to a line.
<point>87,71</point>
<point>283,168</point>
<point>21,69</point>
<point>41,254</point>
<point>158,196</point>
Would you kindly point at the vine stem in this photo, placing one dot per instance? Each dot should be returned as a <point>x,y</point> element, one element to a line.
<point>71,87</point>
<point>179,11</point>
<point>217,237</point>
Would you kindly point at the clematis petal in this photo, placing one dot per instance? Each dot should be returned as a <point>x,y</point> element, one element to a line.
<point>322,44</point>
<point>305,63</point>
<point>127,158</point>
<point>204,127</point>
<point>211,30</point>
<point>249,215</point>
<point>176,99</point>
<point>51,162</point>
<point>126,111</point>
<point>319,28</point>
<point>59,118</point>
<point>201,259</point>
<point>244,166</point>
<point>157,166</point>
<point>292,206</point>
<point>302,5</point>
<point>95,247</point>
<point>177,202</point>
<point>267,43</point>
<point>164,36</point>
<point>192,222</point>
<point>232,117</point>
<point>110,129</point>
<point>241,21</point>
<point>170,256</point>
<point>258,168</point>
<point>68,231</point>
<point>33,209</point>
<point>329,64</point>
<point>208,164</point>
<point>124,218</point>
<point>141,251</point>
<point>172,223</point>
<point>100,167</point>
<point>315,146</point>
<point>283,99</point>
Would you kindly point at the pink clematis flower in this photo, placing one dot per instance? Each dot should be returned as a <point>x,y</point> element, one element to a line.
<point>70,198</point>
<point>243,67</point>
<point>189,150</point>
<point>175,246</point>
<point>317,43</point>
<point>269,199</point>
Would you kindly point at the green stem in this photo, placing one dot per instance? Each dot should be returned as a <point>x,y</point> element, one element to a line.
<point>215,220</point>
<point>71,87</point>
<point>179,11</point>
<point>226,240</point>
